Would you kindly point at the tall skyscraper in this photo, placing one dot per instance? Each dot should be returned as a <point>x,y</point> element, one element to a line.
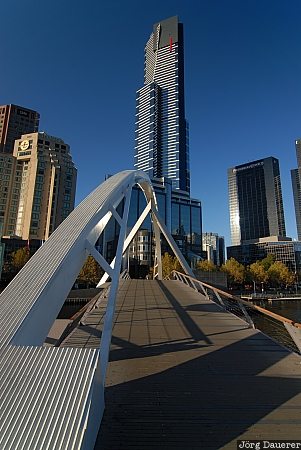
<point>255,201</point>
<point>161,140</point>
<point>15,121</point>
<point>43,186</point>
<point>296,183</point>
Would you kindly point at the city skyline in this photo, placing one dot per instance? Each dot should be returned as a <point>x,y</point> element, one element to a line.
<point>242,87</point>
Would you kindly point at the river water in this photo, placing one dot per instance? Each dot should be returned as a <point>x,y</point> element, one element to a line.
<point>286,308</point>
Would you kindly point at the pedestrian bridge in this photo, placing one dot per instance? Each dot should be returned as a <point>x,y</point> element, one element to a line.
<point>184,371</point>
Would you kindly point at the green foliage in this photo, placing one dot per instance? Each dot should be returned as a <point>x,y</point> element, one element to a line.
<point>19,258</point>
<point>207,266</point>
<point>91,272</point>
<point>235,271</point>
<point>258,273</point>
<point>279,274</point>
<point>170,263</point>
<point>267,261</point>
<point>269,271</point>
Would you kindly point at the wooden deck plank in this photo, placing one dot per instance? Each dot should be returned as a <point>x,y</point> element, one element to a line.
<point>184,374</point>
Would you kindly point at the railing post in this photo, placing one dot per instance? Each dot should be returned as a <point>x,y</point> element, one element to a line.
<point>194,286</point>
<point>221,301</point>
<point>204,290</point>
<point>247,316</point>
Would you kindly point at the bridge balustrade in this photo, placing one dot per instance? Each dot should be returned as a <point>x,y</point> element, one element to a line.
<point>285,331</point>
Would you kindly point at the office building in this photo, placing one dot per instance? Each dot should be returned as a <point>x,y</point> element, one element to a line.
<point>161,150</point>
<point>214,246</point>
<point>284,250</point>
<point>182,216</point>
<point>296,183</point>
<point>15,121</point>
<point>255,201</point>
<point>2,248</point>
<point>7,171</point>
<point>42,188</point>
<point>161,139</point>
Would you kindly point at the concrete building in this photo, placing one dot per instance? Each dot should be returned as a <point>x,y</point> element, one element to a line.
<point>161,140</point>
<point>214,246</point>
<point>255,201</point>
<point>296,184</point>
<point>15,121</point>
<point>7,171</point>
<point>43,186</point>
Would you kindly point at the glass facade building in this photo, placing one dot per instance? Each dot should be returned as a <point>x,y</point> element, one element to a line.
<point>161,135</point>
<point>255,201</point>
<point>288,252</point>
<point>296,184</point>
<point>161,150</point>
<point>181,214</point>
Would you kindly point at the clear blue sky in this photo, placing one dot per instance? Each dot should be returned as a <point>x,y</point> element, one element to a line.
<point>80,63</point>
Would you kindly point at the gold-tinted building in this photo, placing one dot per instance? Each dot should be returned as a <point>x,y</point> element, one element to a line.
<point>42,191</point>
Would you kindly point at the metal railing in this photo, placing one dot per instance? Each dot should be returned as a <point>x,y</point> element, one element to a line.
<point>283,330</point>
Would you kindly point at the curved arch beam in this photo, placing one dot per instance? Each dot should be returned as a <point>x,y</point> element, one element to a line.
<point>30,303</point>
<point>55,396</point>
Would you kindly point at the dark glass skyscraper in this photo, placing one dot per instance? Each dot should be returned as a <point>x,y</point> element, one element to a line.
<point>296,182</point>
<point>161,140</point>
<point>255,200</point>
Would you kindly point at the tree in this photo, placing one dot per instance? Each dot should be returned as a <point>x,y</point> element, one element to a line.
<point>19,258</point>
<point>235,271</point>
<point>170,263</point>
<point>90,273</point>
<point>207,266</point>
<point>267,261</point>
<point>258,273</point>
<point>278,274</point>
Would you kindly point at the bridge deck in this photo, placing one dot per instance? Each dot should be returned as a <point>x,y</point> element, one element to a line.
<point>184,374</point>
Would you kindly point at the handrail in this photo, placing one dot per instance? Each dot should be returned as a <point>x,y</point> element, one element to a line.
<point>244,302</point>
<point>293,328</point>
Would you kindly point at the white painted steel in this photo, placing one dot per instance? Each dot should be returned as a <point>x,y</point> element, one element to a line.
<point>172,243</point>
<point>41,394</point>
<point>109,317</point>
<point>53,398</point>
<point>40,288</point>
<point>127,241</point>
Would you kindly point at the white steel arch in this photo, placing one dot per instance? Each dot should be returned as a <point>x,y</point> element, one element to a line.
<point>53,397</point>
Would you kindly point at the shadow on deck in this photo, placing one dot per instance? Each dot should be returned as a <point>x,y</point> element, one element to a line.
<point>184,374</point>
